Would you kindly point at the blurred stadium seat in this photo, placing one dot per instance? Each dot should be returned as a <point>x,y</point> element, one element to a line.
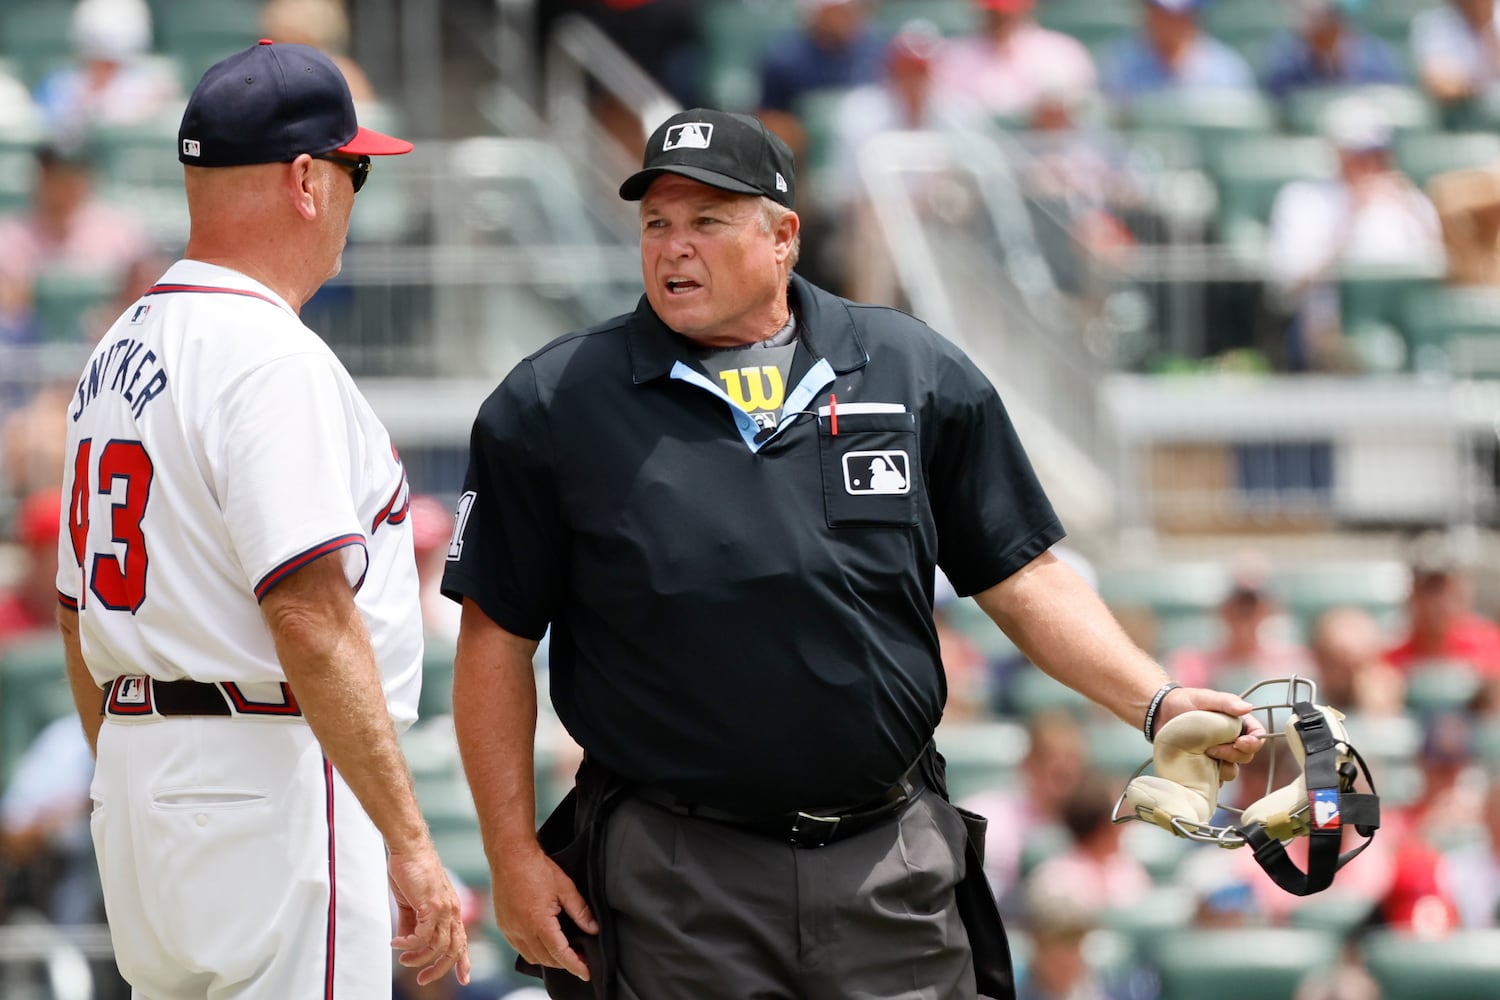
<point>1437,318</point>
<point>1246,963</point>
<point>952,17</point>
<point>980,755</point>
<point>198,33</point>
<point>33,692</point>
<point>734,37</point>
<point>1421,155</point>
<point>1249,172</point>
<point>63,298</point>
<point>1095,23</point>
<point>35,35</point>
<point>1409,109</point>
<point>1434,686</point>
<point>1246,25</point>
<point>1463,965</point>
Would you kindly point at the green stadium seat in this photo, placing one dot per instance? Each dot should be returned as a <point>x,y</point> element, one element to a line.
<point>1032,691</point>
<point>1246,25</point>
<point>1441,322</point>
<point>437,679</point>
<point>1434,686</point>
<point>1378,586</point>
<point>1246,963</point>
<point>34,691</point>
<point>1332,912</point>
<point>64,298</point>
<point>1095,23</point>
<point>1462,965</point>
<point>952,17</point>
<point>1424,155</point>
<point>1251,170</point>
<point>1210,116</point>
<point>980,755</point>
<point>1409,109</point>
<point>734,37</point>
<point>1372,304</point>
<point>1163,913</point>
<point>198,33</point>
<point>35,36</point>
<point>1115,749</point>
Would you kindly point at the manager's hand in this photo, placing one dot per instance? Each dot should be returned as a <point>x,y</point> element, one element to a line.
<point>1229,755</point>
<point>429,927</point>
<point>531,893</point>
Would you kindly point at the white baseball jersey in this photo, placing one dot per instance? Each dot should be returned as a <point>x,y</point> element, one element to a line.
<point>216,445</point>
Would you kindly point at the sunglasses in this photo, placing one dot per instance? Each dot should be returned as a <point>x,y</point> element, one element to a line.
<point>359,167</point>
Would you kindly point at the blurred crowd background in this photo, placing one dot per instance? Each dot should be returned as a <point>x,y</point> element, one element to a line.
<point>1232,263</point>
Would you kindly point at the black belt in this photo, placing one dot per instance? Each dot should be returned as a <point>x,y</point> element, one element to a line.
<point>134,695</point>
<point>805,829</point>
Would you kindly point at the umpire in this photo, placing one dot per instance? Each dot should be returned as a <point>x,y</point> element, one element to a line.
<point>728,507</point>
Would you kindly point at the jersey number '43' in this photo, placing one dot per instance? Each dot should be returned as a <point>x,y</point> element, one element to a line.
<point>117,577</point>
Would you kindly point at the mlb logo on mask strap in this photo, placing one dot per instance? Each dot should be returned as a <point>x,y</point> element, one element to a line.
<point>689,135</point>
<point>881,473</point>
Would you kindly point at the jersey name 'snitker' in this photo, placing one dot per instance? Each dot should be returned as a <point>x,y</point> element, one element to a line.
<point>216,445</point>
<point>744,616</point>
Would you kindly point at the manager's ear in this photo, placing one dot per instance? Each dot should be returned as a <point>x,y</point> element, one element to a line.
<point>301,183</point>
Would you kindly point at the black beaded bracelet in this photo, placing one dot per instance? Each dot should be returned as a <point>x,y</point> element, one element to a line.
<point>1150,727</point>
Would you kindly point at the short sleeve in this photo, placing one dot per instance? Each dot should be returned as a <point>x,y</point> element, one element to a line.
<point>509,548</point>
<point>282,452</point>
<point>992,514</point>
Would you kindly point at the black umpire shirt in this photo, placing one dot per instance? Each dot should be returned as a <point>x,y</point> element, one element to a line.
<point>744,617</point>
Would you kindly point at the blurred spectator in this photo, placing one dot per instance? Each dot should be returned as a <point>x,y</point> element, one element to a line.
<point>1370,214</point>
<point>1449,806</point>
<point>836,48</point>
<point>1171,52</point>
<point>1101,874</point>
<point>1420,900</point>
<point>1058,967</point>
<point>1468,206</point>
<point>1456,49</point>
<point>32,441</point>
<point>46,852</point>
<point>111,82</point>
<point>30,604</point>
<point>323,24</point>
<point>1354,676</point>
<point>45,847</point>
<point>1251,645</point>
<point>1053,767</point>
<point>1441,623</point>
<point>1475,867</point>
<point>1347,979</point>
<point>1327,50</point>
<point>1223,893</point>
<point>432,525</point>
<point>67,228</point>
<point>1004,67</point>
<point>906,98</point>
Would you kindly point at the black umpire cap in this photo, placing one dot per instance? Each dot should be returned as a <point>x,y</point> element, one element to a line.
<point>721,149</point>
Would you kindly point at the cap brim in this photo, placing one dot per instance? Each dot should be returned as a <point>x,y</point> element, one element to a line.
<point>368,142</point>
<point>634,188</point>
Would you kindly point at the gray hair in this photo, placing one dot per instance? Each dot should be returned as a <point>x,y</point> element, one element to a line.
<point>771,214</point>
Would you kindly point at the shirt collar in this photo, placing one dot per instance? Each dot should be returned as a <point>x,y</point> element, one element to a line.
<point>823,323</point>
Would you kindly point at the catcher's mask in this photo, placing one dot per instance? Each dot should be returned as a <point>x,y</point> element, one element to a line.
<point>1181,796</point>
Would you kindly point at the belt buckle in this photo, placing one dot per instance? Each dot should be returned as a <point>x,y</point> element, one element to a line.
<point>814,831</point>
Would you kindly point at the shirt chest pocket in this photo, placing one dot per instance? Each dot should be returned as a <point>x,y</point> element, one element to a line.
<point>872,473</point>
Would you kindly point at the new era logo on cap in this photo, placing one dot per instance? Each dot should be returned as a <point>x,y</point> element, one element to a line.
<point>732,152</point>
<point>689,135</point>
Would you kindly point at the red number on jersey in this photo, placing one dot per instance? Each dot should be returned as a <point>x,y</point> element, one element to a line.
<point>125,473</point>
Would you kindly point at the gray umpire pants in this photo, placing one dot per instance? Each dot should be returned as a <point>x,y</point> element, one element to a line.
<point>704,911</point>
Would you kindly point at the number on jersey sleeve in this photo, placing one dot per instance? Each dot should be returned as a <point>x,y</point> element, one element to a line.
<point>117,577</point>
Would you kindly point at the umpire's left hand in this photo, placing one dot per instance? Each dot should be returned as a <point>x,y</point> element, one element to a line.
<point>430,927</point>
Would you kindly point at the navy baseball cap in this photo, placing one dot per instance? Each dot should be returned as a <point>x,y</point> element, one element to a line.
<point>721,149</point>
<point>271,103</point>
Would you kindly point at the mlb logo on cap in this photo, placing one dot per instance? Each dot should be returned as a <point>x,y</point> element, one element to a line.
<point>190,147</point>
<point>689,135</point>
